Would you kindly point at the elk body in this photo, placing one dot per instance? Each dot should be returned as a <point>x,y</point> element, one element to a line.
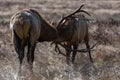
<point>72,31</point>
<point>28,27</point>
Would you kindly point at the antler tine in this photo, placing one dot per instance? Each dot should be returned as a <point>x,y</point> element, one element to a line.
<point>78,10</point>
<point>81,6</point>
<point>85,12</point>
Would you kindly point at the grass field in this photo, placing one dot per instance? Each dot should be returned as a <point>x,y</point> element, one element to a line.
<point>49,65</point>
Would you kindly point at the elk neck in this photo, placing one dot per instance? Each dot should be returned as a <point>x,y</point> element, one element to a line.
<point>48,32</point>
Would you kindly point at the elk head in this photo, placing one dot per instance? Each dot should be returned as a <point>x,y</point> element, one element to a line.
<point>66,24</point>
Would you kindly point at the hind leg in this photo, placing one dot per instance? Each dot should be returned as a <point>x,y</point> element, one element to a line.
<point>88,47</point>
<point>30,54</point>
<point>32,38</point>
<point>74,53</point>
<point>18,47</point>
<point>30,57</point>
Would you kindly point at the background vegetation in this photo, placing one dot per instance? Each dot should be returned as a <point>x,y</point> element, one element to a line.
<point>48,65</point>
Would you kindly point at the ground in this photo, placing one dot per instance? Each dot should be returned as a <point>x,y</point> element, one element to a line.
<point>49,65</point>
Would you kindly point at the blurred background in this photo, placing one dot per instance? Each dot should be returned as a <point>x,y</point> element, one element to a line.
<point>104,26</point>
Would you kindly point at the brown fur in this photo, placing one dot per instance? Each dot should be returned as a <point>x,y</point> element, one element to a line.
<point>28,27</point>
<point>48,32</point>
<point>73,31</point>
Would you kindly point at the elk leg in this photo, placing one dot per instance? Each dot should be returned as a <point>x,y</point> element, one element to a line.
<point>68,51</point>
<point>30,54</point>
<point>18,47</point>
<point>88,47</point>
<point>74,53</point>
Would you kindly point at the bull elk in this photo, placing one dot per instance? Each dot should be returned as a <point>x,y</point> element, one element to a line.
<point>73,30</point>
<point>28,27</point>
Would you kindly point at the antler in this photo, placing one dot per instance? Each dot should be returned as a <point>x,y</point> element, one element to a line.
<point>80,50</point>
<point>86,50</point>
<point>78,10</point>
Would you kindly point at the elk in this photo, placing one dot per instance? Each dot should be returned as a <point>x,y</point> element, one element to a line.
<point>27,28</point>
<point>73,30</point>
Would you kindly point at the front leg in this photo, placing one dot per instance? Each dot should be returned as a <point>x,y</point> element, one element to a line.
<point>74,52</point>
<point>68,52</point>
<point>88,48</point>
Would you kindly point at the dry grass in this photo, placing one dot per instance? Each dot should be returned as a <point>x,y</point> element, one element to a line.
<point>48,64</point>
